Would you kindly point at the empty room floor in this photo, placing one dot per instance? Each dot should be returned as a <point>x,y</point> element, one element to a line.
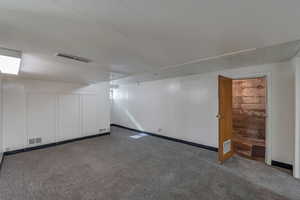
<point>119,167</point>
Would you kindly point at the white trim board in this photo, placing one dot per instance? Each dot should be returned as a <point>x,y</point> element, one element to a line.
<point>268,76</point>
<point>296,168</point>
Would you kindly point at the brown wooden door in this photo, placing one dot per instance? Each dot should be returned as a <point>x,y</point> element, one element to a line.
<point>225,118</point>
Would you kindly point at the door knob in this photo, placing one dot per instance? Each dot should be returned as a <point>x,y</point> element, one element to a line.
<point>218,116</point>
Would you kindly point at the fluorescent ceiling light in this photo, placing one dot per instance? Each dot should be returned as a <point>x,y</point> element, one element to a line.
<point>10,65</point>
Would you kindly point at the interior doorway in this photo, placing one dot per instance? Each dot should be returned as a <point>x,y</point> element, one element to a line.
<point>249,99</point>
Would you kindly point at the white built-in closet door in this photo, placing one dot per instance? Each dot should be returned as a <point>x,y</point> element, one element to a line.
<point>69,120</point>
<point>41,117</point>
<point>89,115</point>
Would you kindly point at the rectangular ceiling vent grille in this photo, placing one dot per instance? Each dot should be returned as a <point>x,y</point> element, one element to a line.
<point>72,57</point>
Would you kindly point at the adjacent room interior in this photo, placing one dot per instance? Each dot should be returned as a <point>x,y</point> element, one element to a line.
<point>249,117</point>
<point>160,99</point>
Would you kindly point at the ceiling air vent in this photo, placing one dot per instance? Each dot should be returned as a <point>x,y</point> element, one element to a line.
<point>72,57</point>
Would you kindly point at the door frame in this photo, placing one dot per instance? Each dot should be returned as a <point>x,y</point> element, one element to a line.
<point>224,133</point>
<point>267,76</point>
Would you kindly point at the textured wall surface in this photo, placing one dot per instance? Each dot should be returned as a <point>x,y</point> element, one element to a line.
<point>249,107</point>
<point>249,121</point>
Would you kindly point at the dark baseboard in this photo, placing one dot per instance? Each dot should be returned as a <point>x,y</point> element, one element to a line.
<point>1,162</point>
<point>52,144</point>
<point>170,138</point>
<point>282,165</point>
<point>274,163</point>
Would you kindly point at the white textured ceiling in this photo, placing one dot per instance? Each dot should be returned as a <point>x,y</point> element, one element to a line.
<point>132,37</point>
<point>275,53</point>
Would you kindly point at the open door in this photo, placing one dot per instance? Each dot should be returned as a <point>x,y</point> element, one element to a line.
<point>225,118</point>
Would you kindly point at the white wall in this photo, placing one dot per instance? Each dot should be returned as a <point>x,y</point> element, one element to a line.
<point>186,107</point>
<point>53,111</point>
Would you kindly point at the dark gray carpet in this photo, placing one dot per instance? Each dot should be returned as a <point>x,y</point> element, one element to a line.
<point>118,167</point>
